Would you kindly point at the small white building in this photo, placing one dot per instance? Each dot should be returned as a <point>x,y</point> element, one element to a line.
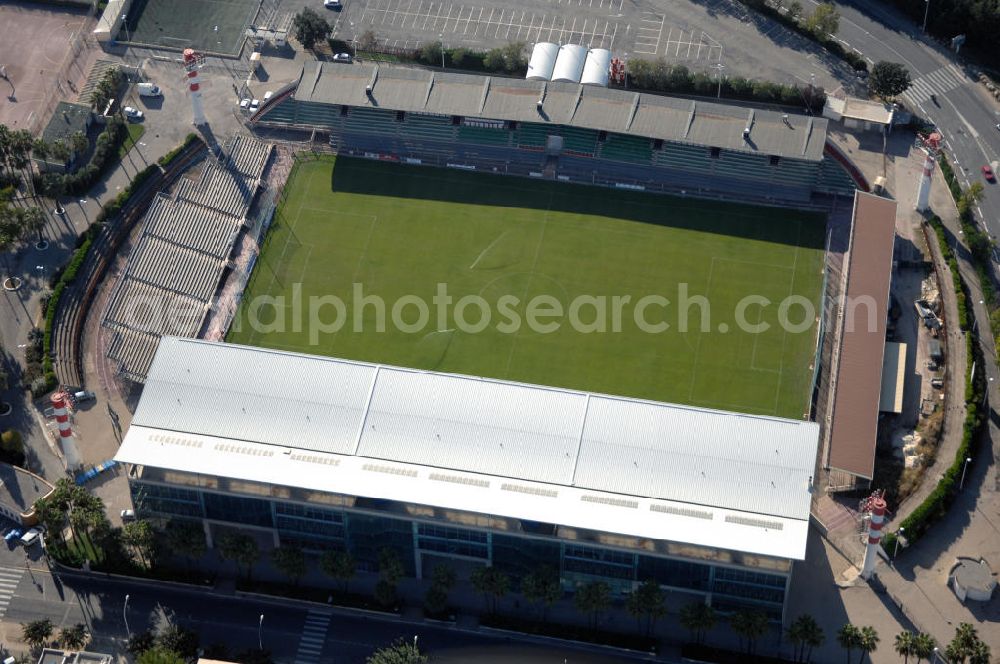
<point>861,114</point>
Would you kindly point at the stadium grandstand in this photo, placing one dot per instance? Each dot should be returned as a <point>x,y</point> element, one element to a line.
<point>858,357</point>
<point>180,257</point>
<point>569,131</point>
<point>327,453</point>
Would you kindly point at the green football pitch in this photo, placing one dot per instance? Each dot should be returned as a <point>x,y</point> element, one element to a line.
<point>575,281</point>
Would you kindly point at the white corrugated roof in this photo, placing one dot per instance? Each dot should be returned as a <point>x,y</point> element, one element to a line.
<point>644,466</point>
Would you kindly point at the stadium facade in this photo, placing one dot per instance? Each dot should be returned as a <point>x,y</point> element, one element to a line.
<point>569,131</point>
<point>333,454</point>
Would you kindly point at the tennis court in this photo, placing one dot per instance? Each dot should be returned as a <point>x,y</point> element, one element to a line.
<point>211,26</point>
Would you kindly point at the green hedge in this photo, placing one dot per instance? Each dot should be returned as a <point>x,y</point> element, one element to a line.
<point>936,505</point>
<point>166,159</point>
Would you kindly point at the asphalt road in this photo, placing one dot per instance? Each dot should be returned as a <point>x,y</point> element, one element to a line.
<point>964,113</point>
<point>33,593</point>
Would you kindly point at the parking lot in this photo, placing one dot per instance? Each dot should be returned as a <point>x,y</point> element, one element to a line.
<point>699,35</point>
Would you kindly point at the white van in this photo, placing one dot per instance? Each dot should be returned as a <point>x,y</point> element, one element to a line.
<point>148,90</point>
<point>30,537</point>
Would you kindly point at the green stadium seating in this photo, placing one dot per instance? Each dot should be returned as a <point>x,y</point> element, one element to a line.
<point>436,127</point>
<point>532,135</point>
<point>371,121</point>
<point>620,147</point>
<point>580,141</point>
<point>484,135</point>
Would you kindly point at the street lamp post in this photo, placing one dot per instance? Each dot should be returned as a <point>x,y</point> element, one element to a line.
<point>125,27</point>
<point>415,637</point>
<point>927,9</point>
<point>128,632</point>
<point>441,45</point>
<point>965,467</point>
<point>260,632</point>
<point>719,67</point>
<point>899,534</point>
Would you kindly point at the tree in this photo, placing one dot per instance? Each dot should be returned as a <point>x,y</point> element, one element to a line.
<point>492,584</point>
<point>37,632</point>
<point>646,601</point>
<point>513,56</point>
<point>290,561</point>
<point>805,634</point>
<point>367,41</point>
<point>10,440</point>
<point>825,20</point>
<point>458,56</point>
<point>140,642</point>
<point>31,220</point>
<point>59,150</point>
<point>593,598</point>
<point>180,640</point>
<point>185,539</point>
<point>74,638</point>
<point>159,656</point>
<point>888,79</point>
<point>794,10</point>
<point>923,646</point>
<point>869,643</point>
<point>980,654</point>
<point>340,566</point>
<point>400,652</point>
<point>849,638</point>
<point>442,580</point>
<point>78,143</point>
<point>432,53</point>
<point>493,60</point>
<point>904,645</point>
<point>749,624</point>
<point>697,618</point>
<point>390,571</point>
<point>541,586</point>
<point>239,548</point>
<point>964,645</point>
<point>310,28</point>
<point>140,537</point>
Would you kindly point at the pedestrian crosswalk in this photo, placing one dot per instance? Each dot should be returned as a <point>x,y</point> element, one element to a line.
<point>9,578</point>
<point>937,82</point>
<point>313,636</point>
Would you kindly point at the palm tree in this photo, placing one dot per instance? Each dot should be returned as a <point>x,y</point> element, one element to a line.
<point>806,634</point>
<point>697,618</point>
<point>32,220</point>
<point>979,654</point>
<point>869,642</point>
<point>923,646</point>
<point>749,624</point>
<point>849,638</point>
<point>904,645</point>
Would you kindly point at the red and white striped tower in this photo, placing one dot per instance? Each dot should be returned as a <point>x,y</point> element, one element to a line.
<point>191,64</point>
<point>877,505</point>
<point>62,417</point>
<point>932,145</point>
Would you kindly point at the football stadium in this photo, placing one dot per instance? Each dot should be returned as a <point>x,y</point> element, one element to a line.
<point>618,381</point>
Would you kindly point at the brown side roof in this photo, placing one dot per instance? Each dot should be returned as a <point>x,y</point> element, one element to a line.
<point>862,343</point>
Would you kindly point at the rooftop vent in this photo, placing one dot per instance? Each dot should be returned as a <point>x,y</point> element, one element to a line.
<point>535,491</point>
<point>756,523</point>
<point>605,500</point>
<point>455,479</point>
<point>681,511</point>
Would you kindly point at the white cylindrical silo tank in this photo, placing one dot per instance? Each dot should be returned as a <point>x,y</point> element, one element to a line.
<point>569,64</point>
<point>543,61</point>
<point>597,67</point>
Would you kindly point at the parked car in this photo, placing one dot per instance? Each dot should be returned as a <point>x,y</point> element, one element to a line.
<point>13,534</point>
<point>128,515</point>
<point>988,173</point>
<point>332,4</point>
<point>33,535</point>
<point>148,90</point>
<point>937,383</point>
<point>342,57</point>
<point>268,95</point>
<point>133,114</point>
<point>83,396</point>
